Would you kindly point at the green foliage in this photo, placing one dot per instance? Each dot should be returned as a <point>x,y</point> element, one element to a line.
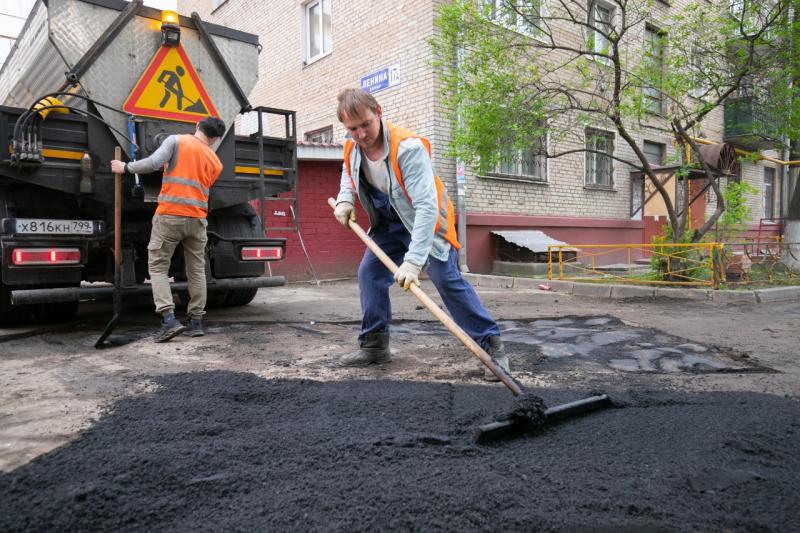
<point>737,213</point>
<point>677,263</point>
<point>485,86</point>
<point>734,219</point>
<point>505,89</point>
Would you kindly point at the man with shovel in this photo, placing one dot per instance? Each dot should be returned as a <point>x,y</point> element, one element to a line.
<point>190,169</point>
<point>411,218</point>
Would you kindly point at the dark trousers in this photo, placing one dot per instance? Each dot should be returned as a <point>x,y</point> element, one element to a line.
<point>374,280</point>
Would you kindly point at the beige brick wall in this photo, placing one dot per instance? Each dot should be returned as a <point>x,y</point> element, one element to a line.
<point>363,42</point>
<point>372,34</point>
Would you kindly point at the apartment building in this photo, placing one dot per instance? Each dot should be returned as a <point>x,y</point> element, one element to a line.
<point>314,48</point>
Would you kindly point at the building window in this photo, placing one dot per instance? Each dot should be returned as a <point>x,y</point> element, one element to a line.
<point>522,16</point>
<point>318,29</point>
<point>654,62</point>
<point>248,123</point>
<point>601,22</point>
<point>769,192</point>
<point>599,165</point>
<point>698,68</point>
<point>529,164</point>
<point>654,152</point>
<point>637,197</point>
<point>322,135</point>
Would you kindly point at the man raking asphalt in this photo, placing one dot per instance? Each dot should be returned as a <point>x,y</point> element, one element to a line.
<point>529,412</point>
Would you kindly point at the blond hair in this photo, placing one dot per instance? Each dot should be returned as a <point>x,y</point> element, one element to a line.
<point>353,101</point>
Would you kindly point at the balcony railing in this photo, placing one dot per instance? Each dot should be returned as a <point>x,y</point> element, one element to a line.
<point>747,125</point>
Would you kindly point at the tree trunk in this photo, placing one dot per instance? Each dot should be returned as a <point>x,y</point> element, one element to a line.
<point>793,213</point>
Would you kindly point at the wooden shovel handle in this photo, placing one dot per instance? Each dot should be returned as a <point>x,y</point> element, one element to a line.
<point>117,214</point>
<point>445,319</point>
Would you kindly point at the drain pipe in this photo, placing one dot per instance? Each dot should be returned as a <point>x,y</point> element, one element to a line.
<point>461,185</point>
<point>461,207</point>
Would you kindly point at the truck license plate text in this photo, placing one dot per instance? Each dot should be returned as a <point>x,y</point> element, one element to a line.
<point>60,227</point>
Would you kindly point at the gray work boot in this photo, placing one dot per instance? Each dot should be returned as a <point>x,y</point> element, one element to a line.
<point>374,350</point>
<point>170,327</point>
<point>195,327</point>
<point>495,349</point>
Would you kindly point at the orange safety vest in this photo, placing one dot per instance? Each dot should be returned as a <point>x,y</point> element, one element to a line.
<point>446,221</point>
<point>185,187</point>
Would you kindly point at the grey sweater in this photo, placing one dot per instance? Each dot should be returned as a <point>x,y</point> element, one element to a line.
<point>156,161</point>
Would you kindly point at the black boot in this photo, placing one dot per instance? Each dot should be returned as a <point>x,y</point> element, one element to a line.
<point>170,327</point>
<point>374,350</point>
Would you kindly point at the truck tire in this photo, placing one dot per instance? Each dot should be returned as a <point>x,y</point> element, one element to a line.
<point>232,222</point>
<point>214,299</point>
<point>217,298</point>
<point>6,313</point>
<point>11,315</point>
<point>238,297</point>
<point>237,222</point>
<point>58,312</point>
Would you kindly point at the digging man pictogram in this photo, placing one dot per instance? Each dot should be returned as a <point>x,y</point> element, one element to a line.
<point>172,86</point>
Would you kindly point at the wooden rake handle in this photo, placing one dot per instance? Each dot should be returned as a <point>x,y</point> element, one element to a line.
<point>445,319</point>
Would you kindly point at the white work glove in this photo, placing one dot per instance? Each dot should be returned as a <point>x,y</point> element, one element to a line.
<point>344,212</point>
<point>407,274</point>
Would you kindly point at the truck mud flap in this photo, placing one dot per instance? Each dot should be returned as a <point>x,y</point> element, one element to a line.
<point>105,291</point>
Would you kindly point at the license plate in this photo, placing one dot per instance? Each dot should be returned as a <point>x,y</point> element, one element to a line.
<point>43,226</point>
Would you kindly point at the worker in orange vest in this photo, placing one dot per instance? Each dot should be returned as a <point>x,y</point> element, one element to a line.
<point>190,169</point>
<point>411,218</point>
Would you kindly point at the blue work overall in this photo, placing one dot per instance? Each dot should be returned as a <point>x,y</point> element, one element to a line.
<point>374,279</point>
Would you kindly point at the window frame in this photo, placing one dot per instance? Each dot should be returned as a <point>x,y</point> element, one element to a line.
<point>658,62</point>
<point>662,148</point>
<point>700,88</point>
<point>519,25</point>
<point>595,36</point>
<point>592,134</point>
<point>764,192</point>
<point>307,136</point>
<point>538,160</point>
<point>307,30</point>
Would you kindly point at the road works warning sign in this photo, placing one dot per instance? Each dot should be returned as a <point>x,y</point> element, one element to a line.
<point>170,89</point>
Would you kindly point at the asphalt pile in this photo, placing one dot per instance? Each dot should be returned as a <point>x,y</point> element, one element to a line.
<point>231,451</point>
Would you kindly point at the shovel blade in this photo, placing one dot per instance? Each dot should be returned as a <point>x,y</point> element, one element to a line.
<point>101,341</point>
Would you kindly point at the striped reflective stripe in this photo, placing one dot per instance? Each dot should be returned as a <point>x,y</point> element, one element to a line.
<point>185,181</point>
<point>182,201</point>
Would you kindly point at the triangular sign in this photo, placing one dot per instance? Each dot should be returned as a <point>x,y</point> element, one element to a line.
<point>170,89</point>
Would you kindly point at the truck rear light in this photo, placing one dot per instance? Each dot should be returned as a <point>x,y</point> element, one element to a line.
<point>261,253</point>
<point>45,256</point>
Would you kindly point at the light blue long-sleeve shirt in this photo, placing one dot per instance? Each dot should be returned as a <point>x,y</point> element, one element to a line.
<point>419,215</point>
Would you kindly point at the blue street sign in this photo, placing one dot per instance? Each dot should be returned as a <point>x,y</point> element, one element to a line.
<point>381,79</point>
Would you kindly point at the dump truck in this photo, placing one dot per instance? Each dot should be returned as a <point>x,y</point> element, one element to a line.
<point>88,76</point>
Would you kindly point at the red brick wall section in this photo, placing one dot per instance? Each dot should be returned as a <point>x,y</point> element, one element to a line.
<point>335,251</point>
<point>482,245</point>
